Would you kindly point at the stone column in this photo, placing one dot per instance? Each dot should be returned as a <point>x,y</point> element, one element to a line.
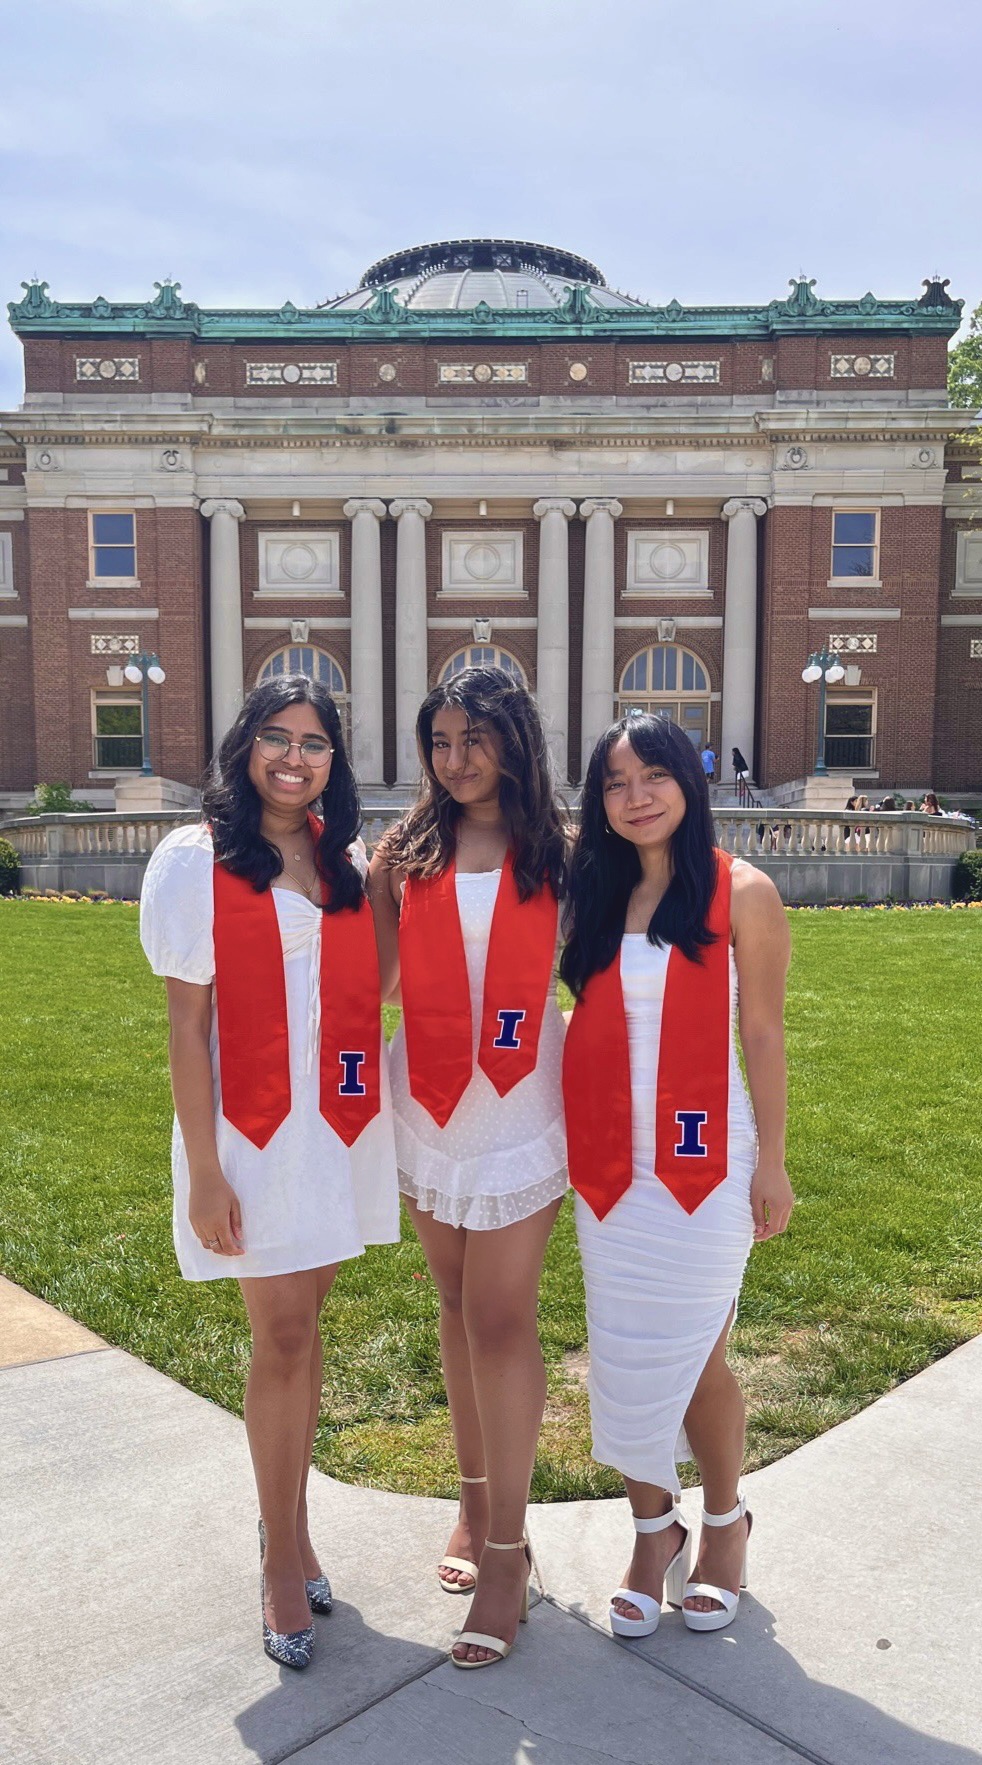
<point>225,616</point>
<point>412,672</point>
<point>552,650</point>
<point>598,622</point>
<point>364,513</point>
<point>740,632</point>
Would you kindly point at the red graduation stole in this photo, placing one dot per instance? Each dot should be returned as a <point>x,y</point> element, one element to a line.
<point>250,992</point>
<point>436,990</point>
<point>693,1079</point>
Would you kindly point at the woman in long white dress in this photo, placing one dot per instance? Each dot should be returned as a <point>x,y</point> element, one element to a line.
<point>670,940</point>
<point>466,897</point>
<point>283,1153</point>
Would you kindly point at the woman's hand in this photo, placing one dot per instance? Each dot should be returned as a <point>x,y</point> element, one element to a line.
<point>771,1198</point>
<point>215,1214</point>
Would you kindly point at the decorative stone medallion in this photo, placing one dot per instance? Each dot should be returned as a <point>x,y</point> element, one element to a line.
<point>861,367</point>
<point>578,370</point>
<point>387,371</point>
<point>120,367</point>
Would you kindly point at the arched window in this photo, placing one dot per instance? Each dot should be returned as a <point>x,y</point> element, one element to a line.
<point>317,665</point>
<point>479,655</point>
<point>668,681</point>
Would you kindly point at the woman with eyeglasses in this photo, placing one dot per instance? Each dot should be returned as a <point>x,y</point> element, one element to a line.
<point>283,1151</point>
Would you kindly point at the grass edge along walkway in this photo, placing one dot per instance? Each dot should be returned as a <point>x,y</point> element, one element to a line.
<point>880,1274</point>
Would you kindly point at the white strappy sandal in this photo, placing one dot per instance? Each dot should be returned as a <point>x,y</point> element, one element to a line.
<point>465,1566</point>
<point>704,1590</point>
<point>675,1576</point>
<point>477,1637</point>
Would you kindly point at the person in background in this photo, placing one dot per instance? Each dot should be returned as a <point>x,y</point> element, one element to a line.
<point>909,804</point>
<point>889,805</point>
<point>930,805</point>
<point>708,758</point>
<point>741,771</point>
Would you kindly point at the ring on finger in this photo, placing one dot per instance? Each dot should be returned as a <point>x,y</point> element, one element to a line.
<point>212,1243</point>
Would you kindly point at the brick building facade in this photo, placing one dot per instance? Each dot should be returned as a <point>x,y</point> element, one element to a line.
<point>485,452</point>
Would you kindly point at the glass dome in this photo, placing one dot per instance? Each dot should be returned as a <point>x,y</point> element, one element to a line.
<point>458,274</point>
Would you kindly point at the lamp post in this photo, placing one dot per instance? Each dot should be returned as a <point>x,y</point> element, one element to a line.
<point>823,665</point>
<point>139,671</point>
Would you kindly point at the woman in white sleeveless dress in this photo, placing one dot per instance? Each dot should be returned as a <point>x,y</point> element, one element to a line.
<point>665,1231</point>
<point>482,1170</point>
<point>245,914</point>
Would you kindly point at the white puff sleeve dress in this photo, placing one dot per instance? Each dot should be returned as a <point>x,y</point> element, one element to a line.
<point>307,1199</point>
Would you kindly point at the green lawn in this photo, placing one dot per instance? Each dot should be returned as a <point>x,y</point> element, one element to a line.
<point>880,1273</point>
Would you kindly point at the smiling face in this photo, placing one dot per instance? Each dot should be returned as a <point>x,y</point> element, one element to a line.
<point>465,757</point>
<point>291,778</point>
<point>644,802</point>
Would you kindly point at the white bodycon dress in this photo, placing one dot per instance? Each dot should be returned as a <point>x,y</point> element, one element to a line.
<point>660,1283</point>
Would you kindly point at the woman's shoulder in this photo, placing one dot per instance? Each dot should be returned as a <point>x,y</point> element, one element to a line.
<point>189,847</point>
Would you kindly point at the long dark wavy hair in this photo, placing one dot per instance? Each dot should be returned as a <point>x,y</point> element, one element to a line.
<point>605,868</point>
<point>233,807</point>
<point>424,842</point>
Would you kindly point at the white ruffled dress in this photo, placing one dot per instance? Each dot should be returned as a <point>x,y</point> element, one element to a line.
<point>307,1199</point>
<point>499,1159</point>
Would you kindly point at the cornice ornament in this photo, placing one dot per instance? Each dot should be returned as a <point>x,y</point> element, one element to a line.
<point>737,505</point>
<point>550,505</point>
<point>935,313</point>
<point>221,505</point>
<point>415,505</point>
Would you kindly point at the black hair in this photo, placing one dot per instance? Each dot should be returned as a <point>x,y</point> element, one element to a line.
<point>233,807</point>
<point>423,843</point>
<point>605,868</point>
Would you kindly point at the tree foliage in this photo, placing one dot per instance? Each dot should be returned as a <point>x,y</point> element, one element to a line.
<point>965,366</point>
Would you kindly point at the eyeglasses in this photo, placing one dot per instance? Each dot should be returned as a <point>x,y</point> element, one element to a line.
<point>313,751</point>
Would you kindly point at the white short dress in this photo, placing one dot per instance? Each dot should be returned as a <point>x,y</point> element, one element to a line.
<point>499,1159</point>
<point>307,1199</point>
<point>660,1283</point>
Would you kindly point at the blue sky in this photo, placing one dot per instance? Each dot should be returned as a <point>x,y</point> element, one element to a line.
<point>706,151</point>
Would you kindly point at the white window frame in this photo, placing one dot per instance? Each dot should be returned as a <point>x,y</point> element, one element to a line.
<point>874,581</point>
<point>95,581</point>
<point>852,695</point>
<point>443,673</point>
<point>7,590</point>
<point>99,697</point>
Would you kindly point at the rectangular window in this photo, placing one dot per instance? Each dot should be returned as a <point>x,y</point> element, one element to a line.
<point>855,544</point>
<point>850,730</point>
<point>112,547</point>
<point>117,734</point>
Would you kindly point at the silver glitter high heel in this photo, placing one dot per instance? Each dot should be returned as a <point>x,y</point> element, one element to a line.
<point>320,1599</point>
<point>288,1648</point>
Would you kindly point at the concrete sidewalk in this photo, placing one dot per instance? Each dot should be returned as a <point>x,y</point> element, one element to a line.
<point>131,1619</point>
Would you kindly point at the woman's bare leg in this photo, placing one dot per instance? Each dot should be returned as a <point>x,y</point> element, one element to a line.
<point>308,1556</point>
<point>716,1425</point>
<point>283,1314</point>
<point>444,1248</point>
<point>501,1290</point>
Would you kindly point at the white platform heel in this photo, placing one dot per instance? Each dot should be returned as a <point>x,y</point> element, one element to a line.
<point>675,1580</point>
<point>704,1590</point>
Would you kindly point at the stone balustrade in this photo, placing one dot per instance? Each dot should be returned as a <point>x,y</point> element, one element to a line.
<point>812,857</point>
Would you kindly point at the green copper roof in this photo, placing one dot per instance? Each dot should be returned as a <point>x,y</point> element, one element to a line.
<point>167,315</point>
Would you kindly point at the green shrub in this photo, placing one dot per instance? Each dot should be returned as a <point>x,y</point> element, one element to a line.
<point>57,799</point>
<point>9,868</point>
<point>966,884</point>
